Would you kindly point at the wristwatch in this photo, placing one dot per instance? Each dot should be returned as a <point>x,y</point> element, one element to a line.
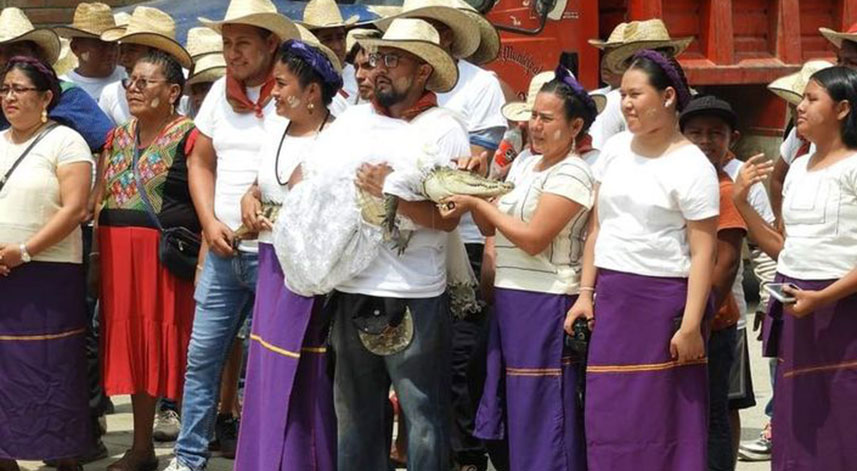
<point>25,256</point>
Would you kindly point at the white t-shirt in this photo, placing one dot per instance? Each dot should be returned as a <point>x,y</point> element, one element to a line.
<point>758,199</point>
<point>115,105</point>
<point>349,83</point>
<point>556,269</point>
<point>31,196</point>
<point>238,140</point>
<point>272,171</point>
<point>820,218</point>
<point>644,205</point>
<point>94,85</point>
<point>791,146</point>
<point>610,122</point>
<point>478,99</point>
<point>420,272</point>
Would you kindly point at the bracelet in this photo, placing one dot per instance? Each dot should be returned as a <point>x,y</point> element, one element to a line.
<point>199,267</point>
<point>587,288</point>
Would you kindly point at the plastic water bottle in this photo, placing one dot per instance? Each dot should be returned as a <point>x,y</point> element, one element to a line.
<point>509,147</point>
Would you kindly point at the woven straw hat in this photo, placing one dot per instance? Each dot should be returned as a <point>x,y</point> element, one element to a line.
<point>355,33</point>
<point>207,68</point>
<point>67,61</point>
<point>202,40</point>
<point>522,111</point>
<point>154,28</point>
<point>489,38</point>
<point>629,38</point>
<point>420,39</point>
<point>259,13</point>
<point>462,25</point>
<point>309,38</point>
<point>836,37</point>
<point>320,14</point>
<point>121,18</point>
<point>16,27</point>
<point>90,21</point>
<point>791,87</point>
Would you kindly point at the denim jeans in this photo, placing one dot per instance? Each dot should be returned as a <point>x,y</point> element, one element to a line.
<point>721,354</point>
<point>420,375</point>
<point>224,295</point>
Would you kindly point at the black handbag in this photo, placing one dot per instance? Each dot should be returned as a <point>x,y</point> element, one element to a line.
<point>178,248</point>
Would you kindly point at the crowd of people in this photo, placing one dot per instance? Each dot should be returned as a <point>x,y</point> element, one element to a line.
<point>163,204</point>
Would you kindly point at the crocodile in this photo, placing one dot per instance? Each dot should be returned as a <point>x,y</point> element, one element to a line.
<point>437,185</point>
<point>269,212</point>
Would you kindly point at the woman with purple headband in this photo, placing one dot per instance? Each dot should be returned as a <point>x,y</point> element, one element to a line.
<point>539,229</point>
<point>288,421</point>
<point>647,263</point>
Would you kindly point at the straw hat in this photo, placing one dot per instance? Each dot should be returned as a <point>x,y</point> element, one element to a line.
<point>836,37</point>
<point>320,14</point>
<point>154,28</point>
<point>419,38</point>
<point>791,87</point>
<point>489,38</point>
<point>462,25</point>
<point>355,33</point>
<point>521,111</point>
<point>16,27</point>
<point>121,18</point>
<point>259,13</point>
<point>309,38</point>
<point>635,36</point>
<point>207,68</point>
<point>202,40</point>
<point>90,21</point>
<point>67,61</point>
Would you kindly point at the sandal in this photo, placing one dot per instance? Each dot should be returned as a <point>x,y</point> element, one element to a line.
<point>132,461</point>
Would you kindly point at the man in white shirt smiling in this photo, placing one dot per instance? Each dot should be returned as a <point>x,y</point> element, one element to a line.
<point>224,163</point>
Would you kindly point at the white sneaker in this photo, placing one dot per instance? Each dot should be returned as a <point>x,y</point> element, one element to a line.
<point>167,426</point>
<point>176,466</point>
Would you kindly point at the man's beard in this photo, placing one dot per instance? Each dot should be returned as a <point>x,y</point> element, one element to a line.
<point>391,96</point>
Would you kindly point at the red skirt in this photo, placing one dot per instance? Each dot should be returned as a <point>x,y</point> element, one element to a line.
<point>147,316</point>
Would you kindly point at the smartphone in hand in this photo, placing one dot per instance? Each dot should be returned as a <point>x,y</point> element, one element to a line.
<point>776,290</point>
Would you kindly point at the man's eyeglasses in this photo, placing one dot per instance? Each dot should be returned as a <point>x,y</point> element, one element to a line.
<point>390,61</point>
<point>15,90</point>
<point>139,83</point>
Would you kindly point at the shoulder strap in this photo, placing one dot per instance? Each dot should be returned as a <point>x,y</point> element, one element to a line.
<point>141,188</point>
<point>44,133</point>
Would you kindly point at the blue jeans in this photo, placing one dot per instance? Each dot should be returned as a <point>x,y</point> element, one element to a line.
<point>420,375</point>
<point>721,354</point>
<point>225,293</point>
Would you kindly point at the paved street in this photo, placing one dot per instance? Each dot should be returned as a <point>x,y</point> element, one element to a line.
<point>118,438</point>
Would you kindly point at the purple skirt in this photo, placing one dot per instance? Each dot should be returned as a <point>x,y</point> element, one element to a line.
<point>643,411</point>
<point>287,423</point>
<point>530,389</point>
<point>43,385</point>
<point>815,395</point>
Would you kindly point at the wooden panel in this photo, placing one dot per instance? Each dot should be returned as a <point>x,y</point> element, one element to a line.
<point>813,15</point>
<point>645,9</point>
<point>752,29</point>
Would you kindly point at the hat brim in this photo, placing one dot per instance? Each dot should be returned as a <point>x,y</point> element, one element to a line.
<point>836,37</point>
<point>351,21</point>
<point>46,39</point>
<point>489,40</point>
<point>445,74</point>
<point>600,100</point>
<point>730,118</point>
<point>785,92</point>
<point>273,22</point>
<point>466,43</point>
<point>617,56</point>
<point>153,40</point>
<point>71,33</point>
<point>516,111</point>
<point>206,75</point>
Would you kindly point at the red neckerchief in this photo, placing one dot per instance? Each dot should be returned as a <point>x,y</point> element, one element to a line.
<point>584,144</point>
<point>236,95</point>
<point>426,102</point>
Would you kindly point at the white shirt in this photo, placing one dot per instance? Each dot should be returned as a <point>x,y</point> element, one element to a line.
<point>644,205</point>
<point>557,268</point>
<point>609,122</point>
<point>115,104</point>
<point>31,196</point>
<point>238,140</point>
<point>349,83</point>
<point>420,272</point>
<point>478,99</point>
<point>820,218</point>
<point>94,85</point>
<point>272,171</point>
<point>791,146</point>
<point>758,199</point>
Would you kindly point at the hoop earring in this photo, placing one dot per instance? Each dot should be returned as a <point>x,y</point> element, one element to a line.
<point>44,115</point>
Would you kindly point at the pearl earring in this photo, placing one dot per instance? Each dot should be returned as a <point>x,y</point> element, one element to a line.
<point>45,115</point>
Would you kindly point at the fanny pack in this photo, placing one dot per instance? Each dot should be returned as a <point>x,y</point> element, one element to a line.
<point>385,326</point>
<point>178,248</point>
